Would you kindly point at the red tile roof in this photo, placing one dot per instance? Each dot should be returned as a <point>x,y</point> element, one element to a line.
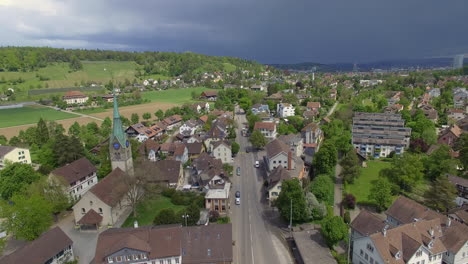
<point>265,125</point>
<point>112,188</point>
<point>76,170</point>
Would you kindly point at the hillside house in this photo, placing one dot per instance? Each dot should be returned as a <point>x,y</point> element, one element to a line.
<point>222,150</point>
<point>14,154</point>
<point>268,129</point>
<point>285,110</point>
<point>75,97</point>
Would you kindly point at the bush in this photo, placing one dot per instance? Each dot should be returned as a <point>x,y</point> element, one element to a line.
<point>349,201</point>
<point>165,217</point>
<point>213,215</point>
<point>168,192</point>
<point>322,187</point>
<point>347,217</point>
<point>334,230</point>
<point>224,220</point>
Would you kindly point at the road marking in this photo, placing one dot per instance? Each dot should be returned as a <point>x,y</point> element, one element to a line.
<point>250,231</point>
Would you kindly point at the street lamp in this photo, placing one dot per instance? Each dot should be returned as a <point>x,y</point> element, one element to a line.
<point>185,216</point>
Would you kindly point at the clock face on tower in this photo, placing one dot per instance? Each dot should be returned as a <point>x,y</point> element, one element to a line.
<point>127,143</point>
<point>116,145</point>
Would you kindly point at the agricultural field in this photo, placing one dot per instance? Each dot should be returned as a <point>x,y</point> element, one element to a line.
<point>127,111</point>
<point>173,96</point>
<point>59,76</point>
<point>30,114</point>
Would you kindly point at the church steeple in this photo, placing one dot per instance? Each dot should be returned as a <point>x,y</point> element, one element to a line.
<point>119,146</point>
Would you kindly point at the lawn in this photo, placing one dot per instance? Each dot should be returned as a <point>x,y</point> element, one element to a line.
<point>361,186</point>
<point>149,208</point>
<point>30,114</point>
<point>174,96</point>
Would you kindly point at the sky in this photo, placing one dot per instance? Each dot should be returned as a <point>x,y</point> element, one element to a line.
<point>268,31</point>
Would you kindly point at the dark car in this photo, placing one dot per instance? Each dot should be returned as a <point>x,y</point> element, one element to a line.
<point>237,194</point>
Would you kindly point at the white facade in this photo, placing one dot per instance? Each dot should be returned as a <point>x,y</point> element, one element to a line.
<point>280,159</point>
<point>284,110</point>
<point>141,138</point>
<point>274,192</point>
<point>90,201</point>
<point>186,127</point>
<point>461,257</point>
<point>379,151</point>
<point>78,100</point>
<point>364,252</point>
<point>268,133</point>
<point>20,155</point>
<point>222,152</point>
<point>80,187</point>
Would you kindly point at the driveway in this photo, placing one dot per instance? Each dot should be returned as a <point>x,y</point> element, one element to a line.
<point>338,191</point>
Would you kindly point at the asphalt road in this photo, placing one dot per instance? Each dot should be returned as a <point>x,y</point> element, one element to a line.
<point>255,238</point>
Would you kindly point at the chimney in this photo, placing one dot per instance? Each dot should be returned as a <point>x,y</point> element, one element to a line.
<point>449,222</point>
<point>384,232</point>
<point>135,224</point>
<point>431,232</point>
<point>289,160</point>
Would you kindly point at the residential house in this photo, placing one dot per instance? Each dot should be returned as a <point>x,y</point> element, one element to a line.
<point>463,124</point>
<point>150,150</point>
<point>258,87</point>
<point>434,92</point>
<point>276,178</point>
<point>333,94</point>
<point>429,111</point>
<point>181,244</point>
<point>260,108</point>
<point>450,135</point>
<point>52,247</point>
<point>181,152</point>
<point>172,122</point>
<point>460,214</point>
<point>460,97</point>
<point>189,127</point>
<point>159,129</point>
<point>313,106</point>
<point>203,119</point>
<point>197,138</point>
<point>201,107</point>
<point>461,184</point>
<point>310,114</point>
<point>13,154</point>
<point>275,97</point>
<point>217,197</point>
<point>222,150</point>
<point>312,134</point>
<point>216,133</point>
<point>78,177</point>
<point>205,168</point>
<point>104,203</point>
<point>279,154</point>
<point>366,224</point>
<point>140,132</point>
<point>295,143</point>
<point>379,134</point>
<point>167,172</point>
<point>393,109</point>
<point>194,149</point>
<point>268,129</point>
<point>167,149</point>
<point>284,110</point>
<point>456,114</point>
<point>75,97</point>
<point>209,95</point>
<point>108,98</point>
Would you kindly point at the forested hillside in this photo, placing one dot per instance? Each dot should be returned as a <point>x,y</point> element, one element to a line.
<point>26,59</point>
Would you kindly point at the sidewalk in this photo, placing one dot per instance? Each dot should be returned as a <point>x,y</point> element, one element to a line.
<point>338,191</point>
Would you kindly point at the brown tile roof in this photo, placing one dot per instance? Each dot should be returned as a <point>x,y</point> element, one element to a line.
<point>367,223</point>
<point>265,125</point>
<point>150,145</point>
<point>167,171</point>
<point>194,148</point>
<point>209,93</point>
<point>112,188</point>
<point>455,236</point>
<point>221,142</point>
<point>458,180</point>
<point>277,175</point>
<point>275,147</point>
<point>203,118</point>
<point>309,114</point>
<point>90,218</point>
<point>76,170</point>
<point>143,130</point>
<point>158,241</point>
<point>406,211</point>
<point>73,94</point>
<point>167,147</point>
<point>207,244</point>
<point>172,120</point>
<point>5,150</point>
<point>179,149</point>
<point>407,239</point>
<point>310,127</point>
<point>313,105</point>
<point>40,250</point>
<point>205,161</point>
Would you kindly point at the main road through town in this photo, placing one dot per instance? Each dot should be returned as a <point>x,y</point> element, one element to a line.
<point>256,239</point>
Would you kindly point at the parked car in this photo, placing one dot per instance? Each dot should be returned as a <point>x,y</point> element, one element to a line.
<point>237,194</point>
<point>237,201</point>
<point>238,171</point>
<point>257,164</point>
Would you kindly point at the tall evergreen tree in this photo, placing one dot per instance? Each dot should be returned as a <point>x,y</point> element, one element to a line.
<point>42,132</point>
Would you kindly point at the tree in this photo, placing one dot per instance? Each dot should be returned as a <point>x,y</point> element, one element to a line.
<point>322,188</point>
<point>135,118</point>
<point>291,190</point>
<point>441,195</point>
<point>440,163</point>
<point>146,116</point>
<point>349,201</point>
<point>3,140</point>
<point>75,64</point>
<point>53,192</point>
<point>257,139</point>
<point>315,209</point>
<point>74,130</point>
<point>193,212</point>
<point>27,217</point>
<point>325,159</point>
<point>334,230</point>
<point>106,127</point>
<point>405,171</point>
<point>159,114</point>
<point>381,193</point>
<point>351,168</point>
<point>42,132</point>
<point>235,147</point>
<point>165,217</point>
<point>67,149</point>
<point>15,177</point>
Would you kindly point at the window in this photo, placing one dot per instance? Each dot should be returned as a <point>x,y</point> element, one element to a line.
<point>366,256</point>
<point>371,260</point>
<point>370,248</point>
<point>161,262</point>
<point>110,260</point>
<point>143,256</point>
<point>422,262</point>
<point>100,210</point>
<point>118,259</point>
<point>90,203</point>
<point>83,210</point>
<point>177,260</point>
<point>361,253</point>
<point>274,162</point>
<point>169,261</point>
<point>419,253</point>
<point>279,161</point>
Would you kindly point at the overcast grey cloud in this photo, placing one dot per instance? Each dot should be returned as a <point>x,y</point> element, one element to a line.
<point>270,31</point>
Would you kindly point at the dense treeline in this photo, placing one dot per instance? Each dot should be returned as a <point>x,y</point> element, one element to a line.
<point>166,63</point>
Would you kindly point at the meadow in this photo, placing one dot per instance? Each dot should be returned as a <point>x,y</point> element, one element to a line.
<point>173,96</point>
<point>29,115</point>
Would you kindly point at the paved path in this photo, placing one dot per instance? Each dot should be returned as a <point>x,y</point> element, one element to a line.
<point>332,109</point>
<point>338,190</point>
<point>256,239</point>
<point>76,113</point>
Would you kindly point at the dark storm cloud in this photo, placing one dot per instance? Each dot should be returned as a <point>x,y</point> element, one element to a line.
<point>264,30</point>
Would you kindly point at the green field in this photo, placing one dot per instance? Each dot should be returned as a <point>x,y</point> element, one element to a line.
<point>149,208</point>
<point>361,186</point>
<point>174,96</point>
<point>30,114</point>
<point>58,75</point>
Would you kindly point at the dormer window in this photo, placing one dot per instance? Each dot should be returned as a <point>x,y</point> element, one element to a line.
<point>398,255</point>
<point>110,260</point>
<point>419,253</point>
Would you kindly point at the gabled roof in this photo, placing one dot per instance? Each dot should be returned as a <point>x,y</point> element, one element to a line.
<point>172,120</point>
<point>275,147</point>
<point>74,94</point>
<point>367,223</point>
<point>458,180</point>
<point>194,148</point>
<point>279,174</point>
<point>310,127</point>
<point>167,170</point>
<point>205,161</point>
<point>203,118</point>
<point>179,149</point>
<point>5,150</point>
<point>40,250</point>
<point>219,143</point>
<point>112,188</point>
<point>455,236</point>
<point>265,125</point>
<point>149,145</point>
<point>209,93</point>
<point>90,218</point>
<point>313,105</point>
<point>290,138</point>
<point>76,170</point>
<point>406,210</point>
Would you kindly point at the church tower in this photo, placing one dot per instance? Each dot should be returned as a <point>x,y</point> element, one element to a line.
<point>119,147</point>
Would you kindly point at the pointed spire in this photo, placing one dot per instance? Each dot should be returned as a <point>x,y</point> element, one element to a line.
<point>117,130</point>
